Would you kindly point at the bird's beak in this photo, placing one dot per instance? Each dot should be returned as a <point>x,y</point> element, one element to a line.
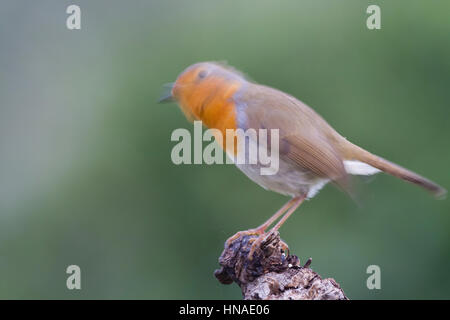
<point>166,95</point>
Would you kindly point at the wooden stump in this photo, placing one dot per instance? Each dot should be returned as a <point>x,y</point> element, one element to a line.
<point>271,274</point>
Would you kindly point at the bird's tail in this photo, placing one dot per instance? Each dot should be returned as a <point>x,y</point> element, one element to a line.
<point>353,152</point>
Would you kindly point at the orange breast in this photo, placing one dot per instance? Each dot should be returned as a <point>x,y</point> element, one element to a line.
<point>211,102</point>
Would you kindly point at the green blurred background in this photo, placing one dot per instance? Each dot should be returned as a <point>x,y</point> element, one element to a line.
<point>85,170</point>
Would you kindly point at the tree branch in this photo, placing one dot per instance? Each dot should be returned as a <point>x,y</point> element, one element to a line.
<point>270,274</point>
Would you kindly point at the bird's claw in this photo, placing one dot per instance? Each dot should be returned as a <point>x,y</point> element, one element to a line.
<point>239,234</point>
<point>261,239</point>
<point>284,247</point>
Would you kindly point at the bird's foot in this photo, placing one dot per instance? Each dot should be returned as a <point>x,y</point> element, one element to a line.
<point>249,232</point>
<point>263,238</point>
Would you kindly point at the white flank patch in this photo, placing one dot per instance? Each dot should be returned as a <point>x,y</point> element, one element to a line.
<point>315,188</point>
<point>359,168</point>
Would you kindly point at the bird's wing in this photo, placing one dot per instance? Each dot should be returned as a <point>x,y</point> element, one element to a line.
<point>306,139</point>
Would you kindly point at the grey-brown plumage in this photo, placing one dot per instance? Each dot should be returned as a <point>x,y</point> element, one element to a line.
<point>308,144</point>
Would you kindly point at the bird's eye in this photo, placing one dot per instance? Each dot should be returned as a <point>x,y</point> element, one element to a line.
<point>202,74</point>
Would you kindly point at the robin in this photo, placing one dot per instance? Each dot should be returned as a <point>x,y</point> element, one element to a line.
<point>311,152</point>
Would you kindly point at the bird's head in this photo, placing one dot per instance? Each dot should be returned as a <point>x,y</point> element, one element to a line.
<point>203,84</point>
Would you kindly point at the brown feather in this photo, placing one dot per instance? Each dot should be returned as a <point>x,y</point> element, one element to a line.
<point>352,151</point>
<point>305,138</point>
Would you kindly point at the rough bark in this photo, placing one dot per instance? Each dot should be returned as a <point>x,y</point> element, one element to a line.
<point>271,274</point>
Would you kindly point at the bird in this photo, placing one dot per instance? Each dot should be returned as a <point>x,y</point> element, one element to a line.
<point>311,153</point>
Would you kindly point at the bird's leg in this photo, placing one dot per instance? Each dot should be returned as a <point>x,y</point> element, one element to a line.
<point>262,228</point>
<point>295,203</point>
<point>277,214</point>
